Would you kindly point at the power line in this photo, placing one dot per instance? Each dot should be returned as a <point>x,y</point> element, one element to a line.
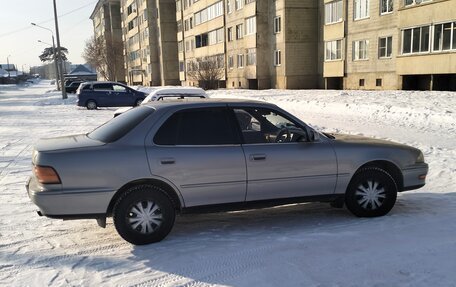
<point>46,21</point>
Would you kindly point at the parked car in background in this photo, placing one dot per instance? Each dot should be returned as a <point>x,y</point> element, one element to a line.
<point>107,94</point>
<point>73,86</point>
<point>170,93</point>
<point>154,161</point>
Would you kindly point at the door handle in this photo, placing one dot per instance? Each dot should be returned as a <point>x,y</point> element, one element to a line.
<point>258,157</point>
<point>167,161</point>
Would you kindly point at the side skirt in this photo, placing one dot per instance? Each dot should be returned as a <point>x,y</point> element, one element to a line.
<point>259,204</point>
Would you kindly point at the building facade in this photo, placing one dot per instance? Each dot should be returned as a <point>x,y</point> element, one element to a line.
<point>255,44</point>
<point>390,44</point>
<point>149,34</point>
<point>106,20</point>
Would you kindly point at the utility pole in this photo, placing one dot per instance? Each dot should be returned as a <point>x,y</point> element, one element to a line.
<point>7,63</point>
<point>59,53</point>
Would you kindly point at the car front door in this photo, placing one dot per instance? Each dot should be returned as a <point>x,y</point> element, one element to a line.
<point>122,95</point>
<point>281,161</point>
<point>199,151</point>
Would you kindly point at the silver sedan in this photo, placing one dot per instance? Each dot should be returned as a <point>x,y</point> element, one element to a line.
<point>154,161</point>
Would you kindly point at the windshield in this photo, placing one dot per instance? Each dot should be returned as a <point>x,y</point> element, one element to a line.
<point>119,126</point>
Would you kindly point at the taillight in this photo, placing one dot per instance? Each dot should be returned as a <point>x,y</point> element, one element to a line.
<point>46,175</point>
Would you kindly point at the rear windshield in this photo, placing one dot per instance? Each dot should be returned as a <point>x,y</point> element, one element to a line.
<point>120,125</point>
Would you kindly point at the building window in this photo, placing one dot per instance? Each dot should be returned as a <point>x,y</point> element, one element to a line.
<point>240,61</point>
<point>209,13</point>
<point>378,82</point>
<point>179,25</point>
<point>361,9</point>
<point>230,34</point>
<point>415,2</point>
<point>277,24</point>
<point>229,6</point>
<point>444,37</point>
<point>415,40</point>
<point>239,31</point>
<point>277,58</point>
<point>180,46</point>
<point>333,50</point>
<point>360,50</point>
<point>215,36</point>
<point>333,12</point>
<point>201,40</point>
<point>251,57</point>
<point>231,62</point>
<point>361,82</point>
<point>386,6</point>
<point>250,25</point>
<point>181,66</point>
<point>239,4</point>
<point>385,47</point>
<point>249,1</point>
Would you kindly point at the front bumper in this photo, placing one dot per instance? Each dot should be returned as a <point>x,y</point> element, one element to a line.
<point>68,204</point>
<point>415,176</point>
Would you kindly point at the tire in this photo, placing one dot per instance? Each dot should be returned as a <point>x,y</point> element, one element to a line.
<point>159,213</point>
<point>138,102</point>
<point>372,192</point>
<point>91,105</point>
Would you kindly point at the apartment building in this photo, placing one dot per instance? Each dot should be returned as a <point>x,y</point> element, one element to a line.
<point>107,27</point>
<point>255,44</point>
<point>149,35</point>
<point>390,44</point>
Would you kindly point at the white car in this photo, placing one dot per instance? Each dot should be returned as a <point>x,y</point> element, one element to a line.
<point>170,93</point>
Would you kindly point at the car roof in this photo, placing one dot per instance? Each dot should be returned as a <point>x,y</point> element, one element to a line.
<point>102,82</point>
<point>201,103</point>
<point>178,90</point>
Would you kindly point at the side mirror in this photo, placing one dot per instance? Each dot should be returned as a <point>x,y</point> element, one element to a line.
<point>314,135</point>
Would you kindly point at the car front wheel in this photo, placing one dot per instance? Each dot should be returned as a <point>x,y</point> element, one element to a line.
<point>143,215</point>
<point>371,192</point>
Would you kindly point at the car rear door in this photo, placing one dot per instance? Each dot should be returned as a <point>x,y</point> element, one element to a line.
<point>199,152</point>
<point>278,168</point>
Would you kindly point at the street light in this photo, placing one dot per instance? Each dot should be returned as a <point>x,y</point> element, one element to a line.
<point>53,53</point>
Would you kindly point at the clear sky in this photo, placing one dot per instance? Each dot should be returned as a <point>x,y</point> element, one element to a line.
<point>19,38</point>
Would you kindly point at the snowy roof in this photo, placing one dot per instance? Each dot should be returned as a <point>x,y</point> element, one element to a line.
<point>81,70</point>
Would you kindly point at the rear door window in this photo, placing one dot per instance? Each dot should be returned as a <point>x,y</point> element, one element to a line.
<point>102,87</point>
<point>197,127</point>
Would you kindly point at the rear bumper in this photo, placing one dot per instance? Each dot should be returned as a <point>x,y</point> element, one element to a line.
<point>68,204</point>
<point>415,176</point>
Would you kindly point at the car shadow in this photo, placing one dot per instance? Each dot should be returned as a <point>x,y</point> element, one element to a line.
<point>214,248</point>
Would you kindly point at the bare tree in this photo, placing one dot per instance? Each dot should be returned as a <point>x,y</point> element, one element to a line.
<point>105,55</point>
<point>208,71</point>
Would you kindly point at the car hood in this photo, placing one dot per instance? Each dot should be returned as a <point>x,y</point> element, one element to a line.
<point>66,142</point>
<point>354,139</point>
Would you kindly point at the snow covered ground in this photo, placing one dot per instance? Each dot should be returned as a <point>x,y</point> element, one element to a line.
<point>297,245</point>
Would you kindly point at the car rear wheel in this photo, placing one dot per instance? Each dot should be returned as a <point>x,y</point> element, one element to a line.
<point>371,192</point>
<point>91,105</point>
<point>144,214</point>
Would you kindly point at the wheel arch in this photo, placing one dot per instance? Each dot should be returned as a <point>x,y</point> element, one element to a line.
<point>387,166</point>
<point>169,191</point>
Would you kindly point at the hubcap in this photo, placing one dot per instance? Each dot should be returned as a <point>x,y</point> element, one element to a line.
<point>370,195</point>
<point>145,217</point>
